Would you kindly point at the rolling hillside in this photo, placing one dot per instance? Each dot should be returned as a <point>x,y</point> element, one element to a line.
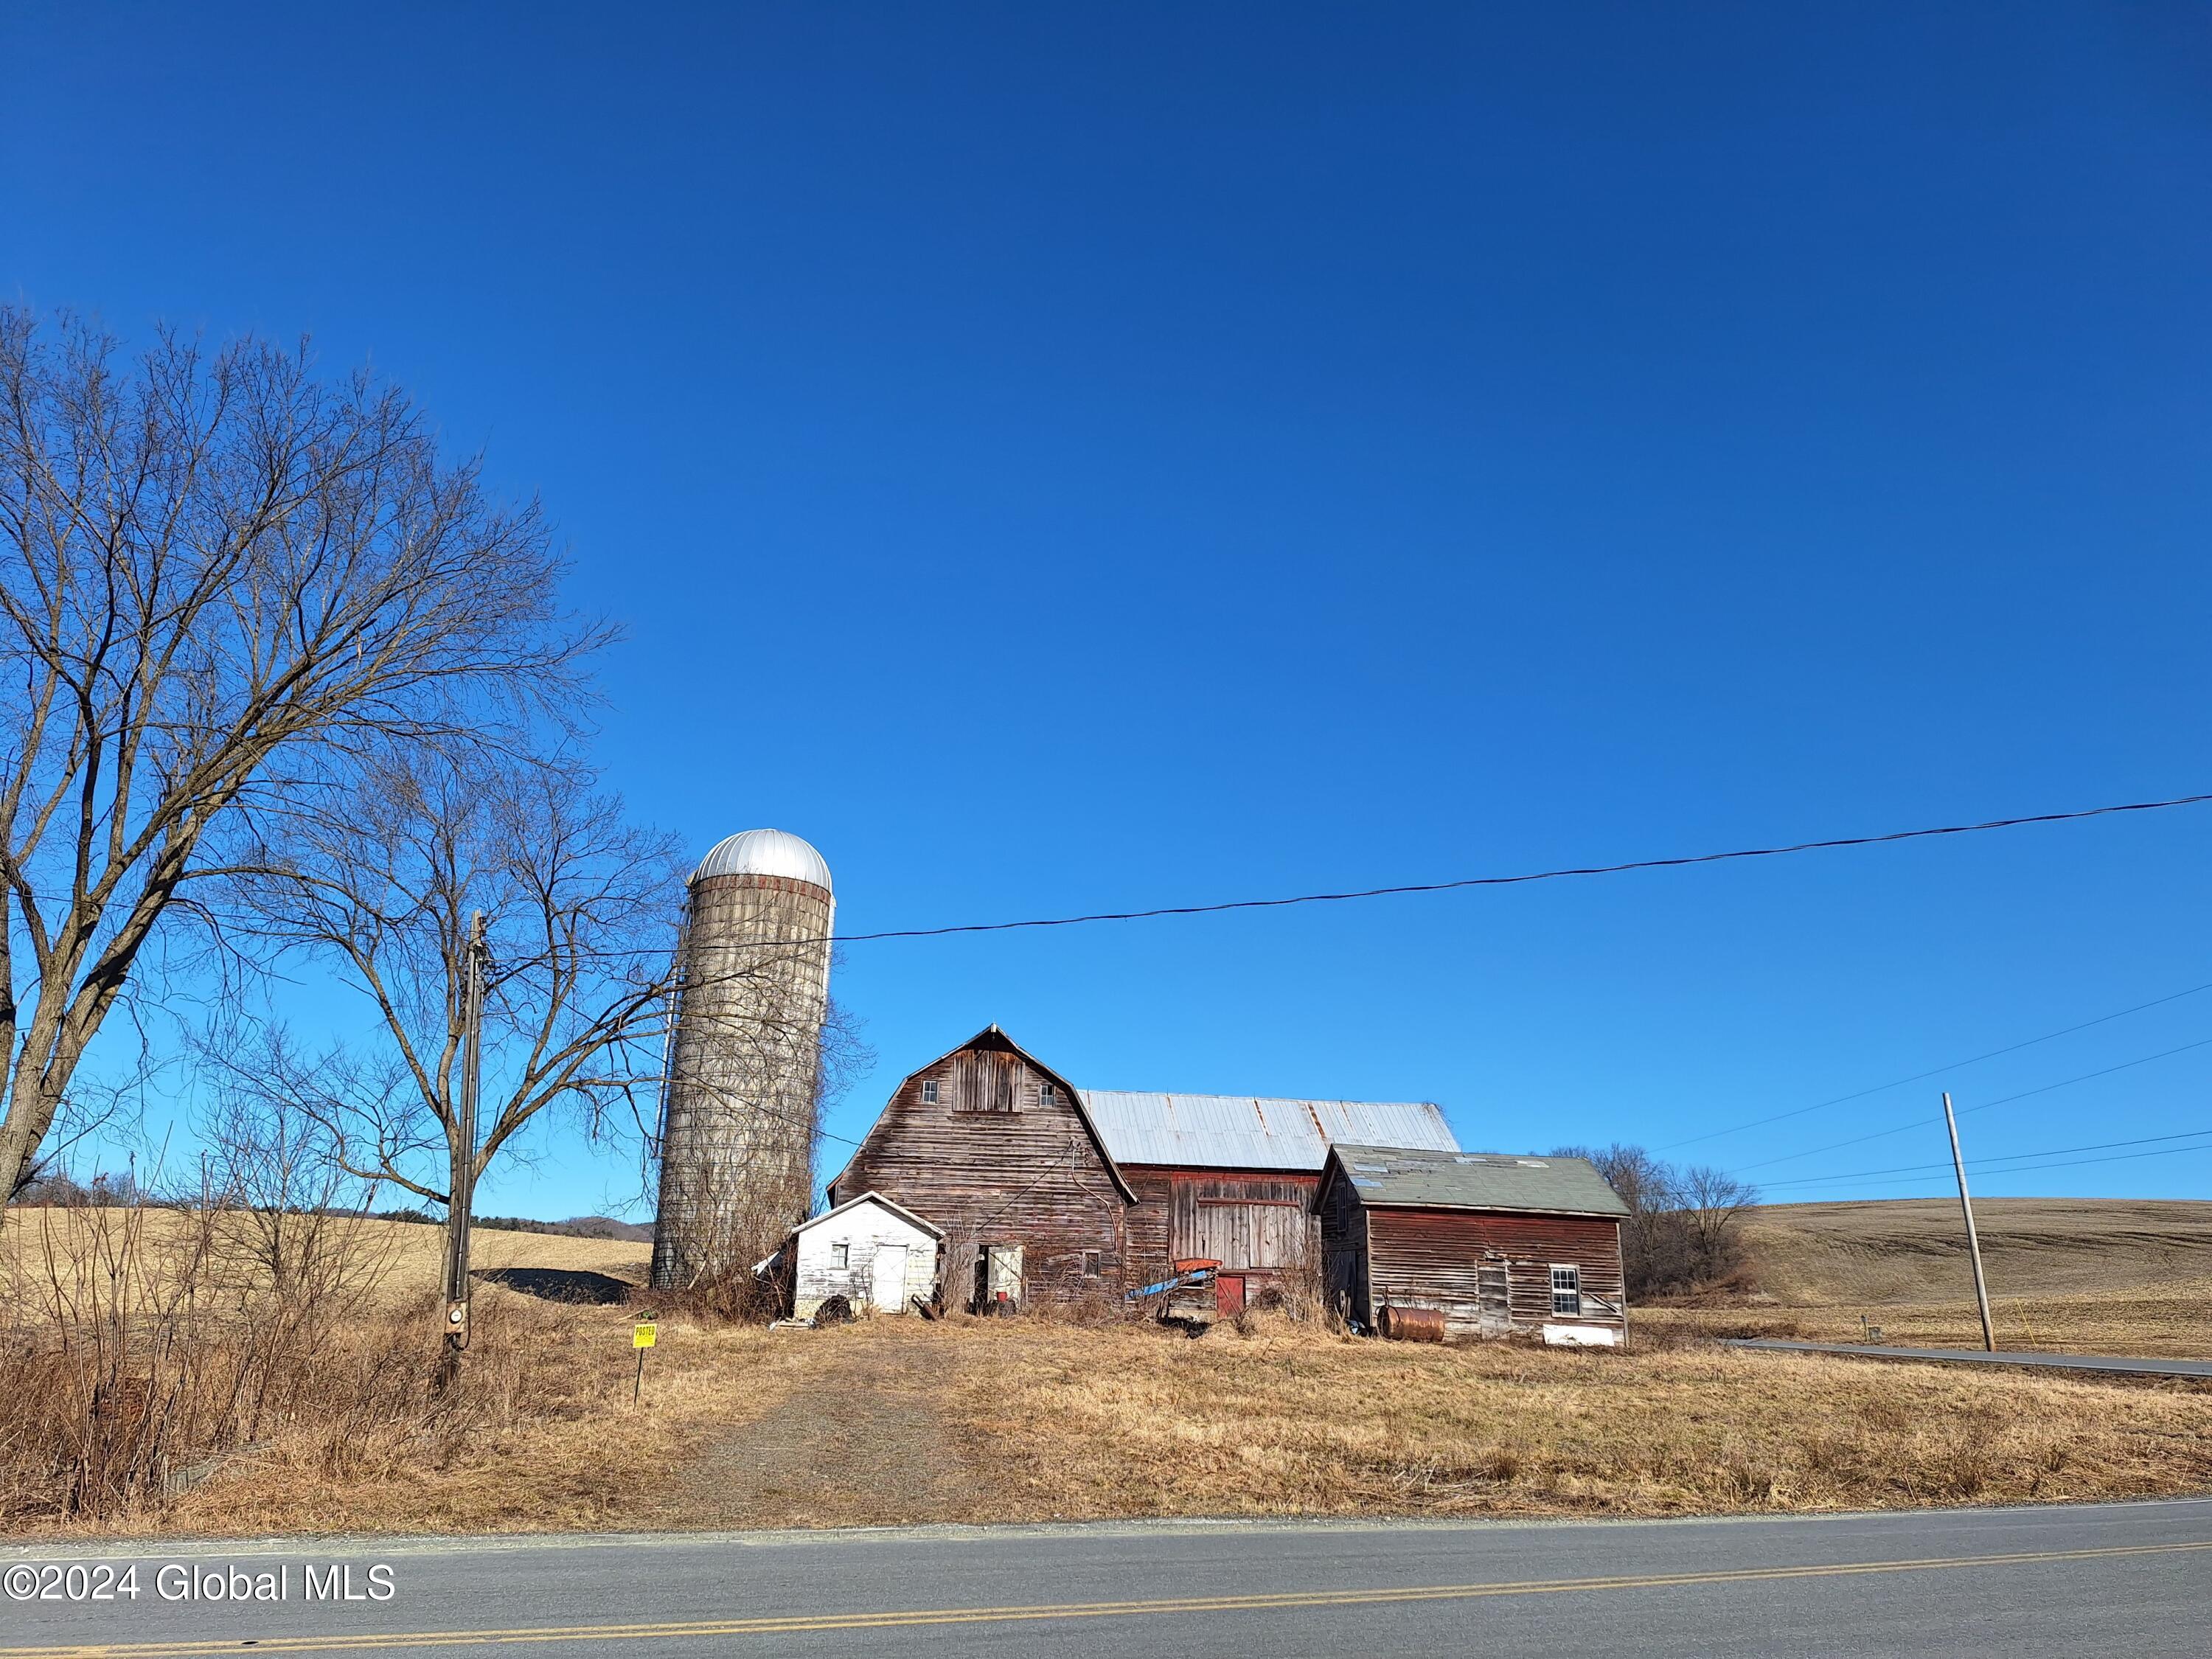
<point>2101,1276</point>
<point>1914,1251</point>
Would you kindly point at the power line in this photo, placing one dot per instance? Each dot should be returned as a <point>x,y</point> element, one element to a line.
<point>2057,1163</point>
<point>1987,1164</point>
<point>1922,1077</point>
<point>1448,886</point>
<point>2004,1100</point>
<point>1540,875</point>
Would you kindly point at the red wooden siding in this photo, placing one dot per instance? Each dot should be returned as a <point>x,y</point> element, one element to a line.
<point>1447,1260</point>
<point>993,1160</point>
<point>1257,1222</point>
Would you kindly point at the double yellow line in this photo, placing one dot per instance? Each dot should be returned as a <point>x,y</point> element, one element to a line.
<point>916,1617</point>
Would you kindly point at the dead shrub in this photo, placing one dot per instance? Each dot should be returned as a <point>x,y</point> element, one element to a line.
<point>145,1353</point>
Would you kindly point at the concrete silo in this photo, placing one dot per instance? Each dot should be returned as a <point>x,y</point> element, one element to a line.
<point>738,1120</point>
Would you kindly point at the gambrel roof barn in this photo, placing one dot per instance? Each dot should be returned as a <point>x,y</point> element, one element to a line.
<point>1047,1191</point>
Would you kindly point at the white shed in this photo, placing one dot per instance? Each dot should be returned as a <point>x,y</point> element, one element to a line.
<point>868,1251</point>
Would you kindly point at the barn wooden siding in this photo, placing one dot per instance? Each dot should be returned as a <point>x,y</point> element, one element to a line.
<point>1258,1222</point>
<point>993,1160</point>
<point>1343,1221</point>
<point>1455,1260</point>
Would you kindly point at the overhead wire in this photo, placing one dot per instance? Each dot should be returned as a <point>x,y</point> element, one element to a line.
<point>1987,1165</point>
<point>1937,1071</point>
<point>1540,875</point>
<point>1676,863</point>
<point>2057,1163</point>
<point>1983,1106</point>
<point>1565,872</point>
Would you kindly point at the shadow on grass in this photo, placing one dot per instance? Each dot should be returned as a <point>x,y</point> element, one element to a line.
<point>573,1284</point>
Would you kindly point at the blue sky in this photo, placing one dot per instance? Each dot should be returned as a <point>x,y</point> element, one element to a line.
<point>1061,459</point>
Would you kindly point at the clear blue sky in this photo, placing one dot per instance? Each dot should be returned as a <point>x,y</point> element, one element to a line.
<point>1059,459</point>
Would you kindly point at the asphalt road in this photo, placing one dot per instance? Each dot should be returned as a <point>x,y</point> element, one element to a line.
<point>2127,1364</point>
<point>2133,1579</point>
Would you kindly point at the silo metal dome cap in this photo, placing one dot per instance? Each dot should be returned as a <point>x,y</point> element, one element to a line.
<point>764,853</point>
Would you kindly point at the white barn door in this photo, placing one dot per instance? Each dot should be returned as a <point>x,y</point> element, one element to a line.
<point>889,1278</point>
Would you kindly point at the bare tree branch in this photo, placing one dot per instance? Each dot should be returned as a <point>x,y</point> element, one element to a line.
<point>223,581</point>
<point>579,906</point>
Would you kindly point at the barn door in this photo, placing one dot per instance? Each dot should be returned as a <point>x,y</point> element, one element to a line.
<point>1496,1308</point>
<point>1265,1235</point>
<point>1002,1274</point>
<point>982,1081</point>
<point>889,1283</point>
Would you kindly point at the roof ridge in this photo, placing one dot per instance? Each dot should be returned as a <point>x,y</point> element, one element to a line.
<point>1316,1100</point>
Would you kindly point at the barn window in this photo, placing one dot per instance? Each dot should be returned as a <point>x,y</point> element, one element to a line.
<point>1089,1257</point>
<point>929,1091</point>
<point>1047,1095</point>
<point>1566,1290</point>
<point>841,1256</point>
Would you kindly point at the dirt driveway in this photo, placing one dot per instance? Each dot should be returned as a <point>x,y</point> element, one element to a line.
<point>862,1438</point>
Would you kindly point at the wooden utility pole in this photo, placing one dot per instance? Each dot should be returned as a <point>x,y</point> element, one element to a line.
<point>461,1196</point>
<point>1973,1239</point>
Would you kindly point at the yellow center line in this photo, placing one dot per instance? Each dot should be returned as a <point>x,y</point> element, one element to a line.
<point>913,1618</point>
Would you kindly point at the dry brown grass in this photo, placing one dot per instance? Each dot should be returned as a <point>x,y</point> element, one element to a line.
<point>900,1421</point>
<point>155,1361</point>
<point>410,1253</point>
<point>1914,1251</point>
<point>888,1421</point>
<point>2118,1276</point>
<point>1101,1424</point>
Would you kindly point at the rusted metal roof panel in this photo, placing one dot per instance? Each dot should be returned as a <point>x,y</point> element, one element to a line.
<point>1248,1132</point>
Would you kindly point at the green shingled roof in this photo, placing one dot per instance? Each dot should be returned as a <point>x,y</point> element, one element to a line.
<point>1476,1181</point>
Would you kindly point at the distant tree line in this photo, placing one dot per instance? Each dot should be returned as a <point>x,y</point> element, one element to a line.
<point>1684,1231</point>
<point>121,1190</point>
<point>582,1226</point>
<point>42,1186</point>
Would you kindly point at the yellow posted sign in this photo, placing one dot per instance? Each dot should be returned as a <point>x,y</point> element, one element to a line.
<point>642,1333</point>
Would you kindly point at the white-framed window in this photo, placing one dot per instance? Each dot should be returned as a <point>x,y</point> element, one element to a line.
<point>841,1256</point>
<point>1566,1289</point>
<point>1089,1257</point>
<point>1046,1094</point>
<point>929,1091</point>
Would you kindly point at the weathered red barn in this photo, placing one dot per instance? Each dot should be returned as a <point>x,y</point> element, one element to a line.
<point>996,1148</point>
<point>1496,1244</point>
<point>1231,1178</point>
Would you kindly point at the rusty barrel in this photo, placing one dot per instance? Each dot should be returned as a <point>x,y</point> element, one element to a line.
<point>1412,1324</point>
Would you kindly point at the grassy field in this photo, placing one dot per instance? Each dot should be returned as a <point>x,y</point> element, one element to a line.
<point>399,1260</point>
<point>895,1421</point>
<point>2073,1275</point>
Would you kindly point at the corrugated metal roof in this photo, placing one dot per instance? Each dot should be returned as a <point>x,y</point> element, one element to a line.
<point>1420,1175</point>
<point>1244,1132</point>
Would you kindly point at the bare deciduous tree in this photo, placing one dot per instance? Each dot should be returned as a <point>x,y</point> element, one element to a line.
<point>220,576</point>
<point>290,1221</point>
<point>580,907</point>
<point>1712,1202</point>
<point>1683,1229</point>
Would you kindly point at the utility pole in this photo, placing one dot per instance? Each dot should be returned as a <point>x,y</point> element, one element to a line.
<point>460,1203</point>
<point>1973,1239</point>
